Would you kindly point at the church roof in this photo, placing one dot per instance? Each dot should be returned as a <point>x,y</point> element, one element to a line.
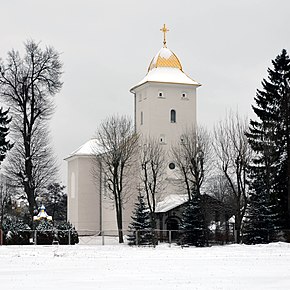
<point>165,58</point>
<point>170,202</point>
<point>87,149</point>
<point>165,67</point>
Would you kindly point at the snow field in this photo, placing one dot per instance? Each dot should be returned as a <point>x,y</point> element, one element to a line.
<point>163,267</point>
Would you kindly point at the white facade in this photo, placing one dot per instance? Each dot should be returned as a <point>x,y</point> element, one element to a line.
<point>165,117</point>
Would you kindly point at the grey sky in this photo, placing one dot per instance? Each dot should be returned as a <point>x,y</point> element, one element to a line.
<point>107,46</point>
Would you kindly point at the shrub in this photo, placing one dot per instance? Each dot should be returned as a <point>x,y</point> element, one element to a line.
<point>16,232</point>
<point>64,229</point>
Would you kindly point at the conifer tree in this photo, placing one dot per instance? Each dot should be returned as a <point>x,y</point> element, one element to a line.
<point>260,225</point>
<point>269,137</point>
<point>193,224</point>
<point>140,227</point>
<point>4,130</point>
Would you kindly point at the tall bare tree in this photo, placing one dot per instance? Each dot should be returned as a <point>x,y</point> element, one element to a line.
<point>192,157</point>
<point>152,159</point>
<point>27,84</point>
<point>117,144</point>
<point>233,157</point>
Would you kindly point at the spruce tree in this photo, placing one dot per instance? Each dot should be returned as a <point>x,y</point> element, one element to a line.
<point>269,138</point>
<point>192,223</point>
<point>140,227</point>
<point>4,130</point>
<point>260,225</point>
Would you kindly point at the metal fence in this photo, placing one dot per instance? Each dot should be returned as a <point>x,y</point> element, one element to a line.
<point>35,237</point>
<point>108,237</point>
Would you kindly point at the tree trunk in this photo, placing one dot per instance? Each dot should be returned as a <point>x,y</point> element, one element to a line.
<point>119,215</point>
<point>120,228</point>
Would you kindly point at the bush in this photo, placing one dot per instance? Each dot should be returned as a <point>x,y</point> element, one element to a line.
<point>47,233</point>
<point>16,232</point>
<point>64,229</point>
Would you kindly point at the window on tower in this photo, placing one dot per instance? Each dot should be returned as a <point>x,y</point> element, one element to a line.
<point>161,95</point>
<point>184,96</point>
<point>162,139</point>
<point>173,116</point>
<point>141,118</point>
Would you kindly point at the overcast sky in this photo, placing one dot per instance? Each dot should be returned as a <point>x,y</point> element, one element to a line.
<point>106,47</point>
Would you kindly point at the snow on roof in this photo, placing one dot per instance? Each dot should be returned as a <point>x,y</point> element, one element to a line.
<point>167,75</point>
<point>165,58</point>
<point>42,214</point>
<point>171,201</point>
<point>87,149</point>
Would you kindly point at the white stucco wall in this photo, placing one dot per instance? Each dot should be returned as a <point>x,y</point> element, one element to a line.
<point>156,121</point>
<point>156,110</point>
<point>84,193</point>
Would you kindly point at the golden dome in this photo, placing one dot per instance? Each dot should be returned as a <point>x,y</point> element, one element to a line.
<point>165,58</point>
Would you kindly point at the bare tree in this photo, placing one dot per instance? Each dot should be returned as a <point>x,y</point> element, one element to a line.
<point>192,157</point>
<point>233,156</point>
<point>219,187</point>
<point>117,144</point>
<point>27,84</point>
<point>152,159</point>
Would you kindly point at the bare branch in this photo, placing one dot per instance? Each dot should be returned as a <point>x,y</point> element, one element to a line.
<point>116,145</point>
<point>233,157</point>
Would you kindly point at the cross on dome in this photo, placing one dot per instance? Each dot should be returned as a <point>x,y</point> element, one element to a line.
<point>164,30</point>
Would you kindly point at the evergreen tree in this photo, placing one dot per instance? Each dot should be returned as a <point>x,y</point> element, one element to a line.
<point>55,201</point>
<point>260,225</point>
<point>4,130</point>
<point>193,223</point>
<point>140,227</point>
<point>269,137</point>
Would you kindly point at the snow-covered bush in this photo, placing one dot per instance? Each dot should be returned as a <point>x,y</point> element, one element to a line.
<point>65,229</point>
<point>48,233</point>
<point>16,232</point>
<point>45,232</point>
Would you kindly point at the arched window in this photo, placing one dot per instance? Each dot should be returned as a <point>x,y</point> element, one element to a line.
<point>173,116</point>
<point>160,95</point>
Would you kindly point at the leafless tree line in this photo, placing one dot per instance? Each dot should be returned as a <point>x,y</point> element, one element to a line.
<point>216,164</point>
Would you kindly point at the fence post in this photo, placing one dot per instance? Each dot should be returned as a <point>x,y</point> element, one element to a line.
<point>35,237</point>
<point>169,237</point>
<point>69,237</point>
<point>1,237</point>
<point>103,238</point>
<point>136,237</point>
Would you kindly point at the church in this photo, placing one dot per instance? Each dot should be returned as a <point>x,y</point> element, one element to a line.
<point>164,106</point>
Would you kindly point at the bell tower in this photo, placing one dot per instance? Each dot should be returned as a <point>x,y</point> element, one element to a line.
<point>165,99</point>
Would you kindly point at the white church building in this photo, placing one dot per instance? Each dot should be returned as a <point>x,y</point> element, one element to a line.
<point>164,107</point>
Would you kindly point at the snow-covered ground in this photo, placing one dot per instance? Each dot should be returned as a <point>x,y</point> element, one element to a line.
<point>122,267</point>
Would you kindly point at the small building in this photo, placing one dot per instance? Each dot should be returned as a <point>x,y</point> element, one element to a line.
<point>169,214</point>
